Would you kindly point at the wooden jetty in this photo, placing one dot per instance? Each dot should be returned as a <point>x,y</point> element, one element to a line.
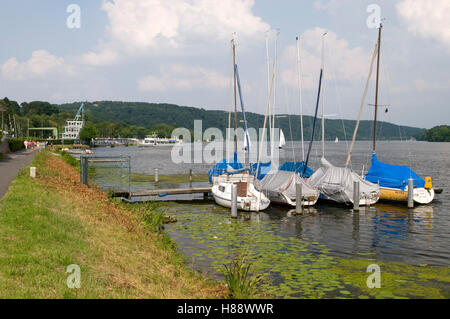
<point>163,192</point>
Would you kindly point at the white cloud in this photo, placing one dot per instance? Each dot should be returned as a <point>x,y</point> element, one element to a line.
<point>428,19</point>
<point>329,5</point>
<point>170,27</point>
<point>178,76</point>
<point>105,57</point>
<point>341,61</point>
<point>41,64</point>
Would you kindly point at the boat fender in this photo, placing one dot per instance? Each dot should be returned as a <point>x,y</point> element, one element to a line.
<point>428,184</point>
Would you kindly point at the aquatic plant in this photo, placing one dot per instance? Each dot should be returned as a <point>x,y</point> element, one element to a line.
<point>241,285</point>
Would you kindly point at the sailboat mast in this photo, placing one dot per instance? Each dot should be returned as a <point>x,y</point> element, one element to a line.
<point>323,98</point>
<point>235,102</point>
<point>300,97</point>
<point>376,90</point>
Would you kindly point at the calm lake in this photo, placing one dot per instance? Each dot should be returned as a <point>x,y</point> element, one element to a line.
<point>277,242</point>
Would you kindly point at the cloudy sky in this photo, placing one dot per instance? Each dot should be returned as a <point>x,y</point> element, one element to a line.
<point>178,51</point>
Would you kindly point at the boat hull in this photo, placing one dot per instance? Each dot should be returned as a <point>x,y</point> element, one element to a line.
<point>421,195</point>
<point>254,203</point>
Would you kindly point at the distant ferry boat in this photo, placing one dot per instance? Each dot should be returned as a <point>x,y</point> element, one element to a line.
<point>153,140</point>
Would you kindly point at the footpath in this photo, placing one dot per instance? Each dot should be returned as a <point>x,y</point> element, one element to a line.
<point>11,165</point>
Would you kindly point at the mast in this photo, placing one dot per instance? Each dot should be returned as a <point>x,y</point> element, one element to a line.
<point>315,114</point>
<point>323,98</point>
<point>300,97</point>
<point>376,90</point>
<point>234,89</point>
<point>272,137</point>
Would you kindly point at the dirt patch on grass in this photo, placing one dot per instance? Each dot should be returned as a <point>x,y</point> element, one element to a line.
<point>126,257</point>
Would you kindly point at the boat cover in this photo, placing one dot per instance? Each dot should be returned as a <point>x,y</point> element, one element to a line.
<point>297,167</point>
<point>284,182</point>
<point>264,169</point>
<point>336,183</point>
<point>392,176</point>
<point>231,166</point>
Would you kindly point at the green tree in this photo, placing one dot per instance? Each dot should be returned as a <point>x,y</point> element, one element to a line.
<point>88,132</point>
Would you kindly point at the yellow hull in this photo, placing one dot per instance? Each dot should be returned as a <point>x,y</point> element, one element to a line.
<point>393,195</point>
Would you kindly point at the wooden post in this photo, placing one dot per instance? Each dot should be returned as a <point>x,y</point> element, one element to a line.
<point>190,177</point>
<point>233,201</point>
<point>156,176</point>
<point>298,198</point>
<point>356,196</point>
<point>410,193</point>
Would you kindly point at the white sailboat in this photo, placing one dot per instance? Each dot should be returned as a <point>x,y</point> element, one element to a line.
<point>248,197</point>
<point>336,183</point>
<point>280,185</point>
<point>282,140</point>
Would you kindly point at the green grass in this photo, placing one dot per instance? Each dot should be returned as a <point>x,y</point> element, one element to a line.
<point>39,239</point>
<point>51,222</point>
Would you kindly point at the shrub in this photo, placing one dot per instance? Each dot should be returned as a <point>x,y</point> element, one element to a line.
<point>16,144</point>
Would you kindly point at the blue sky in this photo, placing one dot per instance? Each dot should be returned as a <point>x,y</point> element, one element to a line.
<point>178,51</point>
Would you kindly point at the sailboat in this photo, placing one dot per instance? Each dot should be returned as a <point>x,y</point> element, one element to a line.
<point>228,172</point>
<point>336,183</point>
<point>393,179</point>
<point>282,140</point>
<point>280,185</point>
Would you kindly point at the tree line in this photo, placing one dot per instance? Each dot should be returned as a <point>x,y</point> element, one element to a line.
<point>138,119</point>
<point>436,134</point>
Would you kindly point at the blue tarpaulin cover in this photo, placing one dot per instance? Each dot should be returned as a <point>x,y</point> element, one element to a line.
<point>297,167</point>
<point>264,169</point>
<point>223,167</point>
<point>392,176</point>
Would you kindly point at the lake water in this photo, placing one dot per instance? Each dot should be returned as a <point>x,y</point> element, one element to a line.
<point>385,232</point>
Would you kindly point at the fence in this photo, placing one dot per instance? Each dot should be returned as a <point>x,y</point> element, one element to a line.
<point>109,172</point>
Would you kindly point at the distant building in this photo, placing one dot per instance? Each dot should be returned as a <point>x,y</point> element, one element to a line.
<point>72,130</point>
<point>73,127</point>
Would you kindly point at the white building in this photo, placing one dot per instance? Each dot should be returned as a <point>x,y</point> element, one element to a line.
<point>72,130</point>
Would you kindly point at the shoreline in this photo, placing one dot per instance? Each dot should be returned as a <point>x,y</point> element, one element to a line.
<point>51,222</point>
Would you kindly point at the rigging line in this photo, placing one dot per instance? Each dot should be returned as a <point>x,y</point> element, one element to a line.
<point>300,97</point>
<point>287,99</point>
<point>231,105</point>
<point>388,85</point>
<point>242,107</point>
<point>314,123</point>
<point>339,100</point>
<point>274,98</point>
<point>349,155</point>
<point>265,121</point>
<point>310,97</point>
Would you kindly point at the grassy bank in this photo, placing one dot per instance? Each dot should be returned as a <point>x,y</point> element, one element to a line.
<point>52,221</point>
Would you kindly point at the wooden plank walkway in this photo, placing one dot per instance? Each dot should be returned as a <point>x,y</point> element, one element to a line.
<point>163,191</point>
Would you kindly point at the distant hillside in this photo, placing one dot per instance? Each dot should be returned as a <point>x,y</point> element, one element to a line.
<point>151,114</point>
<point>436,134</point>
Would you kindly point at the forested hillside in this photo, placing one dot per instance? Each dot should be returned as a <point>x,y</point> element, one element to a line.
<point>151,114</point>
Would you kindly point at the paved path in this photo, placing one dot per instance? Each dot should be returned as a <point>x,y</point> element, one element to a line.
<point>11,165</point>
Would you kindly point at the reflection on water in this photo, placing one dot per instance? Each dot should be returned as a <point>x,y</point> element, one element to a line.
<point>383,232</point>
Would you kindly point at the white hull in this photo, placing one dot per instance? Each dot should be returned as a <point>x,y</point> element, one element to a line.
<point>254,201</point>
